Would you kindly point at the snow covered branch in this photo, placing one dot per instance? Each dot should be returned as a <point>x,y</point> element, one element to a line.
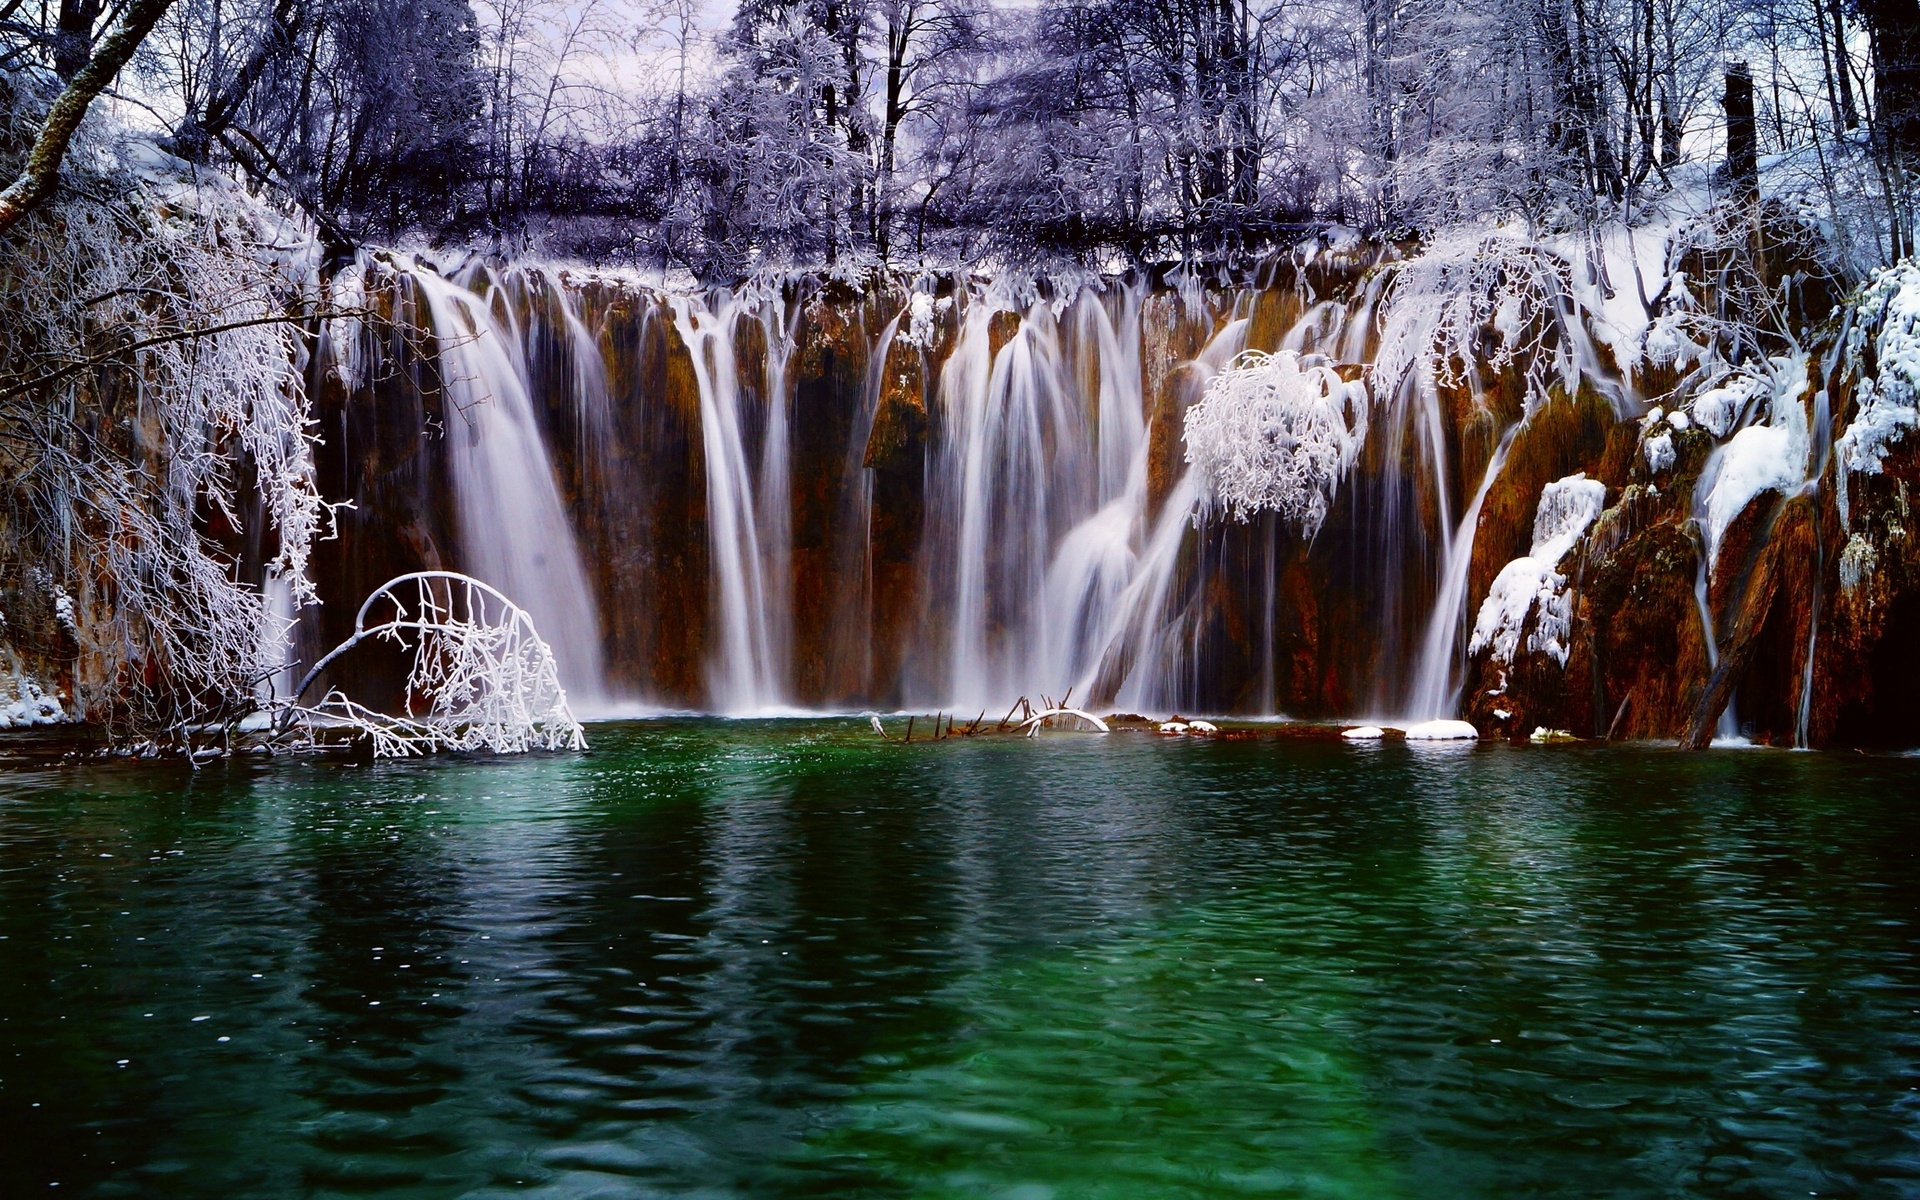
<point>482,677</point>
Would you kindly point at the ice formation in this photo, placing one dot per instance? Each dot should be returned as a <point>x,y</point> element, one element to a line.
<point>1275,433</point>
<point>1759,458</point>
<point>1659,451</point>
<point>1567,507</point>
<point>1442,731</point>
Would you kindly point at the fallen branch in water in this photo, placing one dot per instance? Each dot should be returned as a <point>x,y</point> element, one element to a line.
<point>1033,724</point>
<point>487,679</point>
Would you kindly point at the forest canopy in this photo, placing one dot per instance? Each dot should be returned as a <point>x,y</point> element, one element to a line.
<point>680,135</point>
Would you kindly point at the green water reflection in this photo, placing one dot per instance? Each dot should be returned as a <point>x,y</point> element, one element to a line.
<point>784,959</point>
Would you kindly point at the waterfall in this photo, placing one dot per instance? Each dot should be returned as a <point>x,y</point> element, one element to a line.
<point>850,641</point>
<point>1059,573</point>
<point>1046,541</point>
<point>1114,577</point>
<point>1012,470</point>
<point>1436,681</point>
<point>514,532</point>
<point>748,511</point>
<point>587,379</point>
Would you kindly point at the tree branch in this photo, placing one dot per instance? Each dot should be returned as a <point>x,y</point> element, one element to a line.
<point>21,388</point>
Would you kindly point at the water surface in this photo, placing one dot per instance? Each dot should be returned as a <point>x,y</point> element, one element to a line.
<point>778,959</point>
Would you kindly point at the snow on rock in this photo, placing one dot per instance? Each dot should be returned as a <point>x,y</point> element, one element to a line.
<point>1567,508</point>
<point>1719,409</point>
<point>1275,432</point>
<point>1364,733</point>
<point>1759,458</point>
<point>920,313</point>
<point>1442,731</point>
<point>1659,451</point>
<point>28,704</point>
<point>1669,344</point>
<point>1890,399</point>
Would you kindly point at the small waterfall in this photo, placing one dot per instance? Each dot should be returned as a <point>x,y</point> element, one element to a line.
<point>592,397</point>
<point>1138,653</point>
<point>1060,576</point>
<point>514,532</point>
<point>748,521</point>
<point>773,495</point>
<point>1436,681</point>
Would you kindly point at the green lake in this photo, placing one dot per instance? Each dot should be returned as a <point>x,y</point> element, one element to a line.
<point>786,959</point>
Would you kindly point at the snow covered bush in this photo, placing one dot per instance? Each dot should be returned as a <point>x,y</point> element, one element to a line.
<point>1275,433</point>
<point>482,677</point>
<point>1533,585</point>
<point>152,414</point>
<point>1440,306</point>
<point>1887,324</point>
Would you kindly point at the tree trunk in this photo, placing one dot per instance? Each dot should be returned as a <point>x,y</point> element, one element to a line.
<point>42,173</point>
<point>1743,130</point>
<point>73,36</point>
<point>1895,26</point>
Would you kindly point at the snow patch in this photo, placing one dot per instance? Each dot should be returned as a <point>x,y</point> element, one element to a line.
<point>1760,458</point>
<point>30,703</point>
<point>1568,507</point>
<point>1442,731</point>
<point>1719,409</point>
<point>1364,733</point>
<point>920,312</point>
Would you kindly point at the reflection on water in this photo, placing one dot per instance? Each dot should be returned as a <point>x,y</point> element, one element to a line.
<point>785,959</point>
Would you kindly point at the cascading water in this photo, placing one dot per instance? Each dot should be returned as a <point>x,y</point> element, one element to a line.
<point>850,635</point>
<point>1061,575</point>
<point>1435,694</point>
<point>1012,472</point>
<point>797,497</point>
<point>748,513</point>
<point>514,532</point>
